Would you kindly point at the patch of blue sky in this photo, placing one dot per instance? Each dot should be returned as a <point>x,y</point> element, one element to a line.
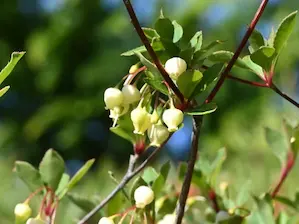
<point>216,13</point>
<point>50,5</point>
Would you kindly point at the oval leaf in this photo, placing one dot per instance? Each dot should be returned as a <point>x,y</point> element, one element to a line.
<point>28,174</point>
<point>178,31</point>
<point>188,81</point>
<point>284,31</point>
<point>51,169</point>
<point>203,109</point>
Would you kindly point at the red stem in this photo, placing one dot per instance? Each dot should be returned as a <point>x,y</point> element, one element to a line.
<point>257,84</point>
<point>238,51</point>
<point>284,173</point>
<point>151,51</point>
<point>213,199</point>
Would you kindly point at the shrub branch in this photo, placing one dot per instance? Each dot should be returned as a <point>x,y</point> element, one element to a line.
<point>151,51</point>
<point>237,53</point>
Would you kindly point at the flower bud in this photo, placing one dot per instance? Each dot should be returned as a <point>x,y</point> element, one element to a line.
<point>134,68</point>
<point>22,211</point>
<point>141,120</point>
<point>157,134</point>
<point>143,196</point>
<point>106,220</point>
<point>113,97</point>
<point>175,67</point>
<point>173,117</point>
<point>131,94</point>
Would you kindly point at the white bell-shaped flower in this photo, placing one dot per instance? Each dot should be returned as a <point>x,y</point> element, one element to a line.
<point>175,67</point>
<point>22,211</point>
<point>173,117</point>
<point>143,196</point>
<point>36,220</point>
<point>157,134</point>
<point>113,97</point>
<point>131,94</point>
<point>141,120</point>
<point>106,220</point>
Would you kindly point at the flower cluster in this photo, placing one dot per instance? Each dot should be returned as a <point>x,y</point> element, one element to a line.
<point>152,116</point>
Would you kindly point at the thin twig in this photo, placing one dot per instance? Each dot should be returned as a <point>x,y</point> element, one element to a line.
<point>284,173</point>
<point>256,84</point>
<point>285,96</point>
<point>151,51</point>
<point>131,173</point>
<point>238,51</point>
<point>180,210</point>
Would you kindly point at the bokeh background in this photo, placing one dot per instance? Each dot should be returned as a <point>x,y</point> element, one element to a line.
<point>73,54</point>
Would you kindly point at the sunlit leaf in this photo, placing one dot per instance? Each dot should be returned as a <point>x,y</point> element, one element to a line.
<point>178,31</point>
<point>284,31</point>
<point>15,57</point>
<point>196,41</point>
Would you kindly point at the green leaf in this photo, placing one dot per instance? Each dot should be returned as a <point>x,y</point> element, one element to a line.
<point>123,133</point>
<point>282,218</point>
<point>216,166</point>
<point>243,194</point>
<point>80,174</point>
<point>178,31</point>
<point>156,82</point>
<point>156,45</point>
<point>165,28</point>
<point>188,81</point>
<point>196,41</point>
<point>150,66</point>
<point>225,57</point>
<point>278,144</point>
<point>187,55</point>
<point>295,140</point>
<point>4,90</point>
<point>256,41</point>
<point>159,183</point>
<point>115,204</point>
<point>15,57</point>
<point>149,175</point>
<point>51,169</point>
<point>264,57</point>
<point>203,109</point>
<point>270,41</point>
<point>82,202</point>
<point>205,51</point>
<point>286,201</point>
<point>209,76</point>
<point>150,33</point>
<point>255,68</point>
<point>264,212</point>
<point>284,31</point>
<point>29,175</point>
<point>62,185</point>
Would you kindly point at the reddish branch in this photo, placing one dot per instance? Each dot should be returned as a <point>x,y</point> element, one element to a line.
<point>151,51</point>
<point>238,51</point>
<point>284,173</point>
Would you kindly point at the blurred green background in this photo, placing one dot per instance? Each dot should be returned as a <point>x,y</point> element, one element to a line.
<point>73,54</point>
